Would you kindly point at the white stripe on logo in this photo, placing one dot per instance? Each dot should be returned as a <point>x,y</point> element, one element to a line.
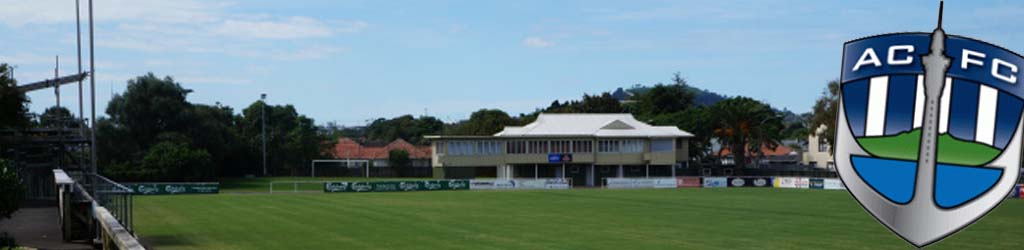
<point>944,106</point>
<point>878,92</point>
<point>919,102</point>
<point>986,126</point>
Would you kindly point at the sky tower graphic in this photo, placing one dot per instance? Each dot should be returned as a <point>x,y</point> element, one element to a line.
<point>935,66</point>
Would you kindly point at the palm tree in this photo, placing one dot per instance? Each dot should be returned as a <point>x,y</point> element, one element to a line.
<point>745,124</point>
<point>826,108</point>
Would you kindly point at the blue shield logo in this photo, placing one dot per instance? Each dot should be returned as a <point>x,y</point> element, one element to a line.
<point>928,138</point>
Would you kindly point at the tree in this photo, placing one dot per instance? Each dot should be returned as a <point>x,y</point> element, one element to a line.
<point>407,127</point>
<point>665,99</point>
<point>13,103</point>
<point>11,195</point>
<point>484,122</point>
<point>697,120</point>
<point>742,123</point>
<point>54,116</point>
<point>826,111</point>
<point>11,190</point>
<point>150,106</point>
<point>335,130</point>
<point>398,158</point>
<point>603,103</point>
<point>214,131</point>
<point>292,138</point>
<point>176,161</point>
<point>154,110</point>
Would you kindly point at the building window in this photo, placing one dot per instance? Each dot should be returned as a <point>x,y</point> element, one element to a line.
<point>662,145</point>
<point>467,148</point>
<point>582,147</point>
<point>454,148</point>
<point>632,146</point>
<point>561,147</point>
<point>516,147</point>
<point>473,147</point>
<point>441,147</point>
<point>485,148</point>
<point>822,145</point>
<point>538,147</point>
<point>608,146</point>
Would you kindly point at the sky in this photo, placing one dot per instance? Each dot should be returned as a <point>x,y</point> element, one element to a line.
<point>353,61</point>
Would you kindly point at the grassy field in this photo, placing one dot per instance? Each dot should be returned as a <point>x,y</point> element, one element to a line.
<point>558,219</point>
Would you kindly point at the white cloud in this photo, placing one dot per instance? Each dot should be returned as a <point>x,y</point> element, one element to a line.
<point>307,53</point>
<point>186,26</point>
<point>18,12</point>
<point>200,79</point>
<point>22,58</point>
<point>350,27</point>
<point>290,28</point>
<point>537,42</point>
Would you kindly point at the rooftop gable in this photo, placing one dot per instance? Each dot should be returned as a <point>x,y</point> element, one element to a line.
<point>601,125</point>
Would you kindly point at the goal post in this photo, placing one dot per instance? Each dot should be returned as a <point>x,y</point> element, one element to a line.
<point>341,163</point>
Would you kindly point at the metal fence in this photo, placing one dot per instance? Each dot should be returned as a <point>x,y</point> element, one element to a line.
<point>111,195</point>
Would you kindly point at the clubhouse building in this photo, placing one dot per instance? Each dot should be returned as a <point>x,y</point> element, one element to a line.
<point>583,147</point>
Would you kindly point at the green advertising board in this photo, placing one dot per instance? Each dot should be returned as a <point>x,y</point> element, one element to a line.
<point>164,188</point>
<point>394,186</point>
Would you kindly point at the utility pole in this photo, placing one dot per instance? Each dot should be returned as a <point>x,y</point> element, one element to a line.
<point>56,74</point>
<point>92,90</point>
<point>78,35</point>
<point>263,120</point>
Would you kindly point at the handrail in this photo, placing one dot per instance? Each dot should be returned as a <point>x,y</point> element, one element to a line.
<point>116,233</point>
<point>108,181</point>
<point>110,203</point>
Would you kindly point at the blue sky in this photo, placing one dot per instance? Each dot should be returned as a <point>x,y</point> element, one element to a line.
<point>350,61</point>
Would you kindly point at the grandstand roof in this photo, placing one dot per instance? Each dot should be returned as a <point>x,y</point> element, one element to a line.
<point>595,125</point>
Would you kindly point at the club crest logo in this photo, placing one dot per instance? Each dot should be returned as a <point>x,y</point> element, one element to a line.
<point>928,138</point>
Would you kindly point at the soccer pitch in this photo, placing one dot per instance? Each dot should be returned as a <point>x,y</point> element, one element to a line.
<point>727,218</point>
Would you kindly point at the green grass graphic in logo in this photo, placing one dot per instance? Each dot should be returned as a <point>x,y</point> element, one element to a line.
<point>904,146</point>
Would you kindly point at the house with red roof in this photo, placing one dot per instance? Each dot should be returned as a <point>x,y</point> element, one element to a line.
<point>347,148</point>
<point>780,155</point>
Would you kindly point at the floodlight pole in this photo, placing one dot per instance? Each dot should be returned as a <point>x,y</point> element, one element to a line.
<point>56,74</point>
<point>78,35</point>
<point>92,89</point>
<point>263,121</point>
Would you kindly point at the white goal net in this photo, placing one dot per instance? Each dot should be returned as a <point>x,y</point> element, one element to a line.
<point>340,168</point>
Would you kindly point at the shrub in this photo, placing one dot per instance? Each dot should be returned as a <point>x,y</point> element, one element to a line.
<point>11,190</point>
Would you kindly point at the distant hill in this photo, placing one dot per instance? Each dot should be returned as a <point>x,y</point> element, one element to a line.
<point>704,97</point>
